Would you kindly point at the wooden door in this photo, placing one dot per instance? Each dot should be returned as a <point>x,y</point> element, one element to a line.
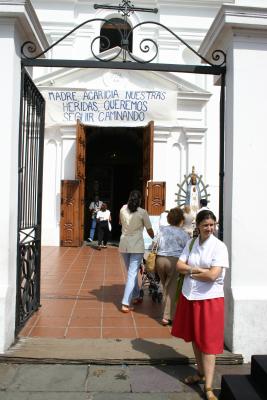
<point>69,221</point>
<point>148,144</point>
<point>156,193</point>
<point>80,173</point>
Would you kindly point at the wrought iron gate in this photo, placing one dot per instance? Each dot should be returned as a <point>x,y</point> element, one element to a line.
<point>32,131</point>
<point>31,139</point>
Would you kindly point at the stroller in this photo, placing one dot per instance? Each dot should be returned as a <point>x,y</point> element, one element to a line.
<point>150,282</point>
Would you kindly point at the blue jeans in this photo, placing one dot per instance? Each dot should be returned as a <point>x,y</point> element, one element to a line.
<point>92,229</point>
<point>132,262</point>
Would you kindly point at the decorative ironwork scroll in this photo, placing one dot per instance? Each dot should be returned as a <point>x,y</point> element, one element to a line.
<point>147,46</point>
<point>126,8</point>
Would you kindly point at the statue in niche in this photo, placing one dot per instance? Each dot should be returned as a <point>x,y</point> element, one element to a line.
<point>191,190</point>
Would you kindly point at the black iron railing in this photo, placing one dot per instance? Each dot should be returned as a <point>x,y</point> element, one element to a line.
<point>31,140</point>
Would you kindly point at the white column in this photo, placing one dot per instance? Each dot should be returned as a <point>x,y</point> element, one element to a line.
<point>195,149</point>
<point>59,163</point>
<point>241,33</point>
<point>68,157</point>
<point>16,19</point>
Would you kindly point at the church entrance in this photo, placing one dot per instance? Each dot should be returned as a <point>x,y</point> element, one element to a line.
<point>110,162</point>
<point>113,167</point>
<point>107,157</point>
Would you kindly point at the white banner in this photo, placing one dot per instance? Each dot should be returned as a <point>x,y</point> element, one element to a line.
<point>109,107</point>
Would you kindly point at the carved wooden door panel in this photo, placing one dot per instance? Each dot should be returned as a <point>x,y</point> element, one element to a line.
<point>69,221</point>
<point>148,144</point>
<point>80,172</point>
<point>156,193</point>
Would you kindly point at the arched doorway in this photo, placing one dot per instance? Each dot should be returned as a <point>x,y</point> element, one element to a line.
<point>119,159</point>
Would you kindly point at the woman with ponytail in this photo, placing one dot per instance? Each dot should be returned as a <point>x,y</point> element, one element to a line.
<point>133,220</point>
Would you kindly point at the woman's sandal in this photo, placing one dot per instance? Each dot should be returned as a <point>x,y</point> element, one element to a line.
<point>126,309</point>
<point>211,395</point>
<point>166,322</point>
<point>193,379</point>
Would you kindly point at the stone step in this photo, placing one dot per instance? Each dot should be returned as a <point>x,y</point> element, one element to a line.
<point>109,351</point>
<point>259,372</point>
<point>239,387</point>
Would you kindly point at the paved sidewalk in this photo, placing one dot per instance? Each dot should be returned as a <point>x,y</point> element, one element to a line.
<point>78,346</point>
<point>98,382</point>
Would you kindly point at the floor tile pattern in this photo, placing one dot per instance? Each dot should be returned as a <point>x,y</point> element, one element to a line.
<point>81,292</point>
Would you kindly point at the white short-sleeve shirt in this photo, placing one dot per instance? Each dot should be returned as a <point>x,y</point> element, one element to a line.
<point>133,224</point>
<point>212,253</point>
<point>103,215</point>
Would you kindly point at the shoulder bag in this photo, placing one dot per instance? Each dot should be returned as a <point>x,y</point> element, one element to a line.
<point>151,258</point>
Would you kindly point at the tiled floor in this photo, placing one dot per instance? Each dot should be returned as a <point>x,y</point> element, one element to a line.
<point>81,292</point>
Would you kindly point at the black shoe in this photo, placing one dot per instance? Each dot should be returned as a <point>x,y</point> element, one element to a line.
<point>90,240</point>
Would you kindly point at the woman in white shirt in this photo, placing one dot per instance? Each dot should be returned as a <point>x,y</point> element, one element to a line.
<point>133,220</point>
<point>171,241</point>
<point>199,315</point>
<point>103,218</point>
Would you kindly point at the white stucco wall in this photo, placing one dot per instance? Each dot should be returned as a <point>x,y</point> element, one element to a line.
<point>249,141</point>
<point>17,24</point>
<point>9,123</point>
<point>242,33</point>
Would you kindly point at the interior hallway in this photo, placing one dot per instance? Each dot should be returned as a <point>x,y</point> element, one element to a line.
<point>81,292</point>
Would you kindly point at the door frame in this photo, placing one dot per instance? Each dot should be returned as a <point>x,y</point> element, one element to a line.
<point>80,168</point>
<point>29,58</point>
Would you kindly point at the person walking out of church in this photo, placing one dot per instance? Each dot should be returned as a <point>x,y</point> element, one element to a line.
<point>199,316</point>
<point>103,217</point>
<point>133,219</point>
<point>94,208</point>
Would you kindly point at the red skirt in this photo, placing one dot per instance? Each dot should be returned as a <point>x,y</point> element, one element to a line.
<point>201,322</point>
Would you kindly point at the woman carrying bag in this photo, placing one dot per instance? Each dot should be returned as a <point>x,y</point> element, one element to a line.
<point>171,241</point>
<point>199,316</point>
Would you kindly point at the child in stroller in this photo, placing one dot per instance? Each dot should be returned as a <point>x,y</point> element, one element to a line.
<point>151,282</point>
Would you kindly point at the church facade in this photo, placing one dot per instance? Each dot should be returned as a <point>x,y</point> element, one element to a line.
<point>113,104</point>
<point>138,127</point>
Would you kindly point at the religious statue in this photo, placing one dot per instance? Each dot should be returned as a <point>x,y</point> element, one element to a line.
<point>193,193</point>
<point>191,190</point>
